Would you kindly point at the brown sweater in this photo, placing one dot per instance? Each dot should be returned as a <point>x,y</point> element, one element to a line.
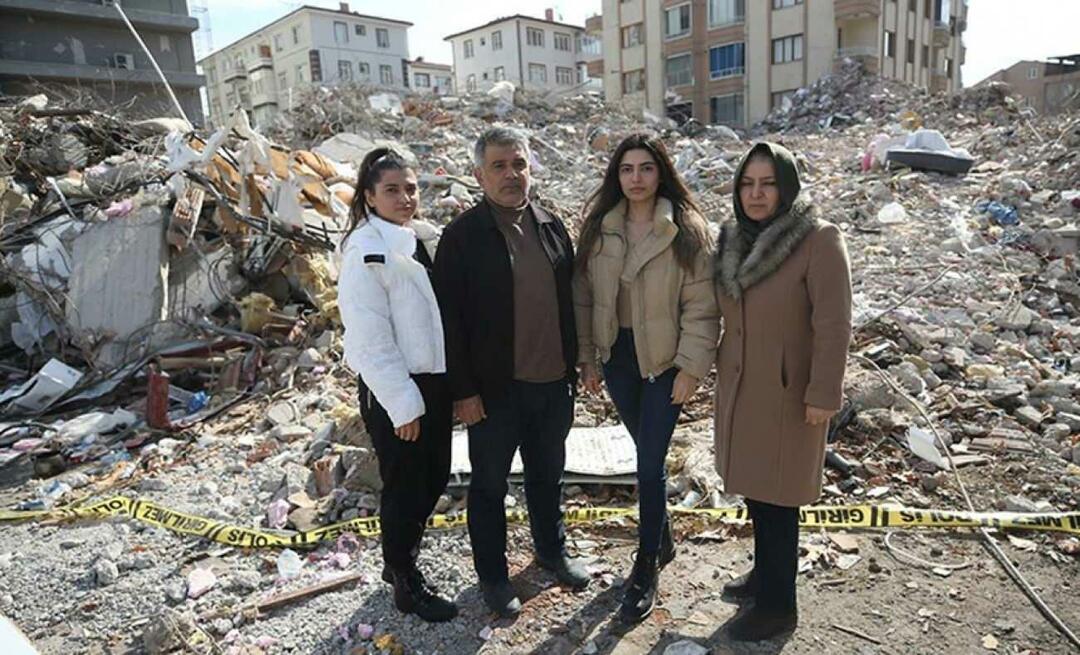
<point>538,355</point>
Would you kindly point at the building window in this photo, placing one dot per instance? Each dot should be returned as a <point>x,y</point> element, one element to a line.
<point>386,74</point>
<point>948,68</point>
<point>724,12</point>
<point>382,37</point>
<point>726,109</point>
<point>423,80</point>
<point>910,54</point>
<point>278,47</point>
<point>468,48</point>
<point>778,97</point>
<point>1033,72</point>
<point>782,4</point>
<point>300,73</point>
<point>295,34</point>
<point>364,70</point>
<point>538,73</point>
<point>534,37</point>
<point>562,41</point>
<point>211,75</point>
<point>500,73</point>
<point>788,48</point>
<point>282,81</point>
<point>230,99</point>
<point>633,81</point>
<point>677,22</point>
<point>344,70</point>
<point>727,60</point>
<point>926,56</point>
<point>912,5</point>
<point>496,40</point>
<point>360,30</point>
<point>928,8</point>
<point>632,35</point>
<point>564,76</point>
<point>341,32</point>
<point>470,83</point>
<point>890,43</point>
<point>680,70</point>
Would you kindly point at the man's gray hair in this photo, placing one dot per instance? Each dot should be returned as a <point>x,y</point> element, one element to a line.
<point>499,136</point>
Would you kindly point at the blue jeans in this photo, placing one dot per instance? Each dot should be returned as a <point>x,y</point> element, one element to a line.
<point>645,407</point>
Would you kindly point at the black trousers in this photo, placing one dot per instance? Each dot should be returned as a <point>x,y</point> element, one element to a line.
<point>414,473</point>
<point>536,418</point>
<point>776,554</point>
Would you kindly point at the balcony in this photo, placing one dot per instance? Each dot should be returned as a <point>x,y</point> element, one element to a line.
<point>595,68</point>
<point>259,63</point>
<point>594,25</point>
<point>14,68</point>
<point>941,35</point>
<point>865,54</point>
<point>855,9</point>
<point>100,12</point>
<point>234,73</point>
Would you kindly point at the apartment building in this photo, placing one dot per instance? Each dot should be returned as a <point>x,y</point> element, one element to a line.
<point>1048,86</point>
<point>731,61</point>
<point>263,71</point>
<point>536,54</point>
<point>84,44</point>
<point>428,77</point>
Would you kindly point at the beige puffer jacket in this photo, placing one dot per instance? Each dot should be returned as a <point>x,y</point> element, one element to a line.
<point>675,316</point>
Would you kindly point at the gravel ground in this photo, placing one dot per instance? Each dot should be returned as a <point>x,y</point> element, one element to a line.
<point>55,587</point>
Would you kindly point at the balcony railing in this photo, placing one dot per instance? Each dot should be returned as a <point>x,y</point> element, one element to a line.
<point>851,9</point>
<point>857,51</point>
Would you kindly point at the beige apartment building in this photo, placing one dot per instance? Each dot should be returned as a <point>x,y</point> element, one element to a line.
<point>731,61</point>
<point>1047,86</point>
<point>263,71</point>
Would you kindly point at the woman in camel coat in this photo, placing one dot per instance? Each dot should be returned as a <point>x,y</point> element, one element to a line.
<point>784,288</point>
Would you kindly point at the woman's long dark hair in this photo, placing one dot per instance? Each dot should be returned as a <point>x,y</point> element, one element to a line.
<point>693,234</point>
<point>371,170</point>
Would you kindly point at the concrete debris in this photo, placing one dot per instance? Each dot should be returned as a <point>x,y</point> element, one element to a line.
<point>168,325</point>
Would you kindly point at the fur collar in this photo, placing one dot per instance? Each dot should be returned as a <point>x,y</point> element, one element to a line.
<point>737,270</point>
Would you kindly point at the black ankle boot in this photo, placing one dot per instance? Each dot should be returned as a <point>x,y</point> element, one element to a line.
<point>640,594</point>
<point>413,595</point>
<point>667,547</point>
<point>759,624</point>
<point>743,587</point>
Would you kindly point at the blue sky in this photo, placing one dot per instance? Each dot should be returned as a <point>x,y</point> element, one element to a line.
<point>1000,32</point>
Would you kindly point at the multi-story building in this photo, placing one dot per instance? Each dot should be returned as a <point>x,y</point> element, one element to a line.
<point>732,61</point>
<point>85,44</point>
<point>1047,86</point>
<point>532,53</point>
<point>263,71</point>
<point>428,77</point>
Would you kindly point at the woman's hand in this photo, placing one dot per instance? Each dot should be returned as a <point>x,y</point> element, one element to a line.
<point>818,416</point>
<point>410,431</point>
<point>684,387</point>
<point>590,379</point>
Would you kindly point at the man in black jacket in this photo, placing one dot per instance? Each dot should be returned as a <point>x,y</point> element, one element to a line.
<point>502,275</point>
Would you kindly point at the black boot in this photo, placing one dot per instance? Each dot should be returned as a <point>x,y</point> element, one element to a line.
<point>667,547</point>
<point>501,598</point>
<point>759,624</point>
<point>640,594</point>
<point>743,587</point>
<point>567,570</point>
<point>413,595</point>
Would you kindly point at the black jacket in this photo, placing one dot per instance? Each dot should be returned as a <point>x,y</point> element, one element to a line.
<point>475,288</point>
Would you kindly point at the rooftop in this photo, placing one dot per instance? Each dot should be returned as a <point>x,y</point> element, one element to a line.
<point>509,18</point>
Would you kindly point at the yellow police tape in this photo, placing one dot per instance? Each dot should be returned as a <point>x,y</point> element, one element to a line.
<point>851,516</point>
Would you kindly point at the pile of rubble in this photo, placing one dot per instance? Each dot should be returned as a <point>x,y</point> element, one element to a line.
<point>167,302</point>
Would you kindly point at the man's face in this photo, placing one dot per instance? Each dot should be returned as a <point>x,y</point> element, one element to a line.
<point>505,175</point>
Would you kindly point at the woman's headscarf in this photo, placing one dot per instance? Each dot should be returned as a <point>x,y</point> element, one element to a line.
<point>787,182</point>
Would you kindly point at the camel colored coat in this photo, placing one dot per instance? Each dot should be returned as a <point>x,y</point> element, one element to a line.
<point>786,308</point>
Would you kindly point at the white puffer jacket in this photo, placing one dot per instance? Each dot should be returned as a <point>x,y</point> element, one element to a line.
<point>391,318</point>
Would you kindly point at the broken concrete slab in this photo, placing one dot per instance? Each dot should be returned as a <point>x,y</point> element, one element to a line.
<point>119,280</point>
